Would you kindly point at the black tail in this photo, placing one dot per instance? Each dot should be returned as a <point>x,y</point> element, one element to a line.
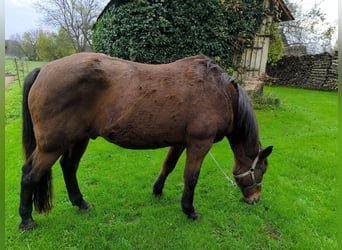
<point>42,194</point>
<point>28,138</point>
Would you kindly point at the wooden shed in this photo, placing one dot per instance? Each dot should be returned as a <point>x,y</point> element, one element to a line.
<point>252,68</point>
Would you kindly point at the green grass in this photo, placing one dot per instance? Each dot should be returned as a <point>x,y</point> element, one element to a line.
<point>24,67</point>
<point>10,65</point>
<point>297,209</point>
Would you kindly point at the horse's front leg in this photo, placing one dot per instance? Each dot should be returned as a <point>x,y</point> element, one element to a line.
<point>168,166</point>
<point>194,158</point>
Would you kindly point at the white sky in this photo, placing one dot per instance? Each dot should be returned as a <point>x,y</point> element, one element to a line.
<point>20,15</point>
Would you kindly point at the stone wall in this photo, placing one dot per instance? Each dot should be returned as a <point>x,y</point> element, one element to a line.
<point>307,71</point>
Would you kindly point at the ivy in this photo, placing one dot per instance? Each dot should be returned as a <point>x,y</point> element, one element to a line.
<point>153,31</point>
<point>275,51</point>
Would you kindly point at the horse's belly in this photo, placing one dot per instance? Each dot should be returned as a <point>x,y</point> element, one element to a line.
<point>144,138</point>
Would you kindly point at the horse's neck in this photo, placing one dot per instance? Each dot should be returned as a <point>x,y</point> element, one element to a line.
<point>244,151</point>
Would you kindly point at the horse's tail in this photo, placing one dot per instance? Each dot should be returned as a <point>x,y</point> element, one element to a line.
<point>28,137</point>
<point>42,195</point>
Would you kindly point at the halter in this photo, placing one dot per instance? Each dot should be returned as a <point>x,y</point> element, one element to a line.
<point>250,172</point>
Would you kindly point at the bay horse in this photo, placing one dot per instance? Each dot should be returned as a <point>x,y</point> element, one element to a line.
<point>187,104</point>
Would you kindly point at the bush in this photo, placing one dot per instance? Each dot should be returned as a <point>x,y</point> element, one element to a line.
<point>163,31</point>
<point>266,102</point>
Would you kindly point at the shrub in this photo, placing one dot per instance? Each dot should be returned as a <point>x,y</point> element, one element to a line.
<point>163,31</point>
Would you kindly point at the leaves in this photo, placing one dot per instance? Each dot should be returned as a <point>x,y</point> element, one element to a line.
<point>164,31</point>
<point>51,46</point>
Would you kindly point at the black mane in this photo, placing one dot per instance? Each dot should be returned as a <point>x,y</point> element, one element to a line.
<point>246,122</point>
<point>215,70</point>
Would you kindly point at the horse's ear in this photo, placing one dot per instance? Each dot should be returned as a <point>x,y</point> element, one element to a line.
<point>266,152</point>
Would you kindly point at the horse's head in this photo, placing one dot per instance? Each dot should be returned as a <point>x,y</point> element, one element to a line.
<point>249,177</point>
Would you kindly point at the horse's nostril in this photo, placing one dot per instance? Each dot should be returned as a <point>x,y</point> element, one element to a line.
<point>255,201</point>
<point>252,200</point>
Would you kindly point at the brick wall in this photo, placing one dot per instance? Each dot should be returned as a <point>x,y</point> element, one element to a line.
<point>307,71</point>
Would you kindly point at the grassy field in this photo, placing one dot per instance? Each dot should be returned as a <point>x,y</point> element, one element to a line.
<point>297,210</point>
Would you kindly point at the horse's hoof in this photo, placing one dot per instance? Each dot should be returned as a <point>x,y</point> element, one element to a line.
<point>27,225</point>
<point>85,206</point>
<point>194,216</point>
<point>157,193</point>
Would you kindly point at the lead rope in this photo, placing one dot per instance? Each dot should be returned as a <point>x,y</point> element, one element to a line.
<point>219,167</point>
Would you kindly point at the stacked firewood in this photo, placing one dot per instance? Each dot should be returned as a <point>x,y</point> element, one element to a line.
<point>331,82</point>
<point>306,71</point>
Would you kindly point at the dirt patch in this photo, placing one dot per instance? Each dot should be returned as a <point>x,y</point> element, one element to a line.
<point>9,79</point>
<point>272,232</point>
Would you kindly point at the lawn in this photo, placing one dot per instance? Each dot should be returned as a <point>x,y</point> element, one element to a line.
<point>297,210</point>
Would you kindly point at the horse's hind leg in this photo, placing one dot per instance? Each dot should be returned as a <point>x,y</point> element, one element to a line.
<point>36,186</point>
<point>69,162</point>
<point>26,193</point>
<point>168,166</point>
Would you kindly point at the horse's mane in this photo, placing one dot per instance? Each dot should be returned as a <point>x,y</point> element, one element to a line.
<point>245,120</point>
<point>213,69</point>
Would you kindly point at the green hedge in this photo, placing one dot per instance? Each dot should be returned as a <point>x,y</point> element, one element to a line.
<point>153,31</point>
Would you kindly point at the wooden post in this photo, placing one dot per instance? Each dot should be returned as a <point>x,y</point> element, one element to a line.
<point>17,69</point>
<point>22,67</point>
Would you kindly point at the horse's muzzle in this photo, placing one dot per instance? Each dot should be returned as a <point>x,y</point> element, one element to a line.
<point>253,198</point>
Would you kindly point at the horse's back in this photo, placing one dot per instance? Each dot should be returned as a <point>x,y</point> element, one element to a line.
<point>161,105</point>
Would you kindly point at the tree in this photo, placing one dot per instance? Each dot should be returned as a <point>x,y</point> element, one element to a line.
<point>29,44</point>
<point>163,31</point>
<point>309,30</point>
<point>75,17</point>
<point>64,44</point>
<point>13,46</point>
<point>46,48</point>
<point>40,45</point>
<point>51,46</point>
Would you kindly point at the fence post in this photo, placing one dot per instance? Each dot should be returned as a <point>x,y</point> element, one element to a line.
<point>26,64</point>
<point>22,67</point>
<point>17,69</point>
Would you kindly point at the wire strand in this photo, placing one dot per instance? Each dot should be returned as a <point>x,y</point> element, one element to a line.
<point>219,167</point>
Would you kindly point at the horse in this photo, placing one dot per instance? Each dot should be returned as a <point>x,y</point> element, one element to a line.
<point>188,104</point>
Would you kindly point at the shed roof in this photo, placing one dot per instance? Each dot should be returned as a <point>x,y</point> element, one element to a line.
<point>285,13</point>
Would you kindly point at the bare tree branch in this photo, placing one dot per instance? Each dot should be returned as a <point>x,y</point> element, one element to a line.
<point>309,29</point>
<point>75,17</point>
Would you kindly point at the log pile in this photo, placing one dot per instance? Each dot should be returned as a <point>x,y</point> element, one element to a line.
<point>307,71</point>
<point>332,75</point>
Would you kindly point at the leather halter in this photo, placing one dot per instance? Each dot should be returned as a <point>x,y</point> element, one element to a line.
<point>250,172</point>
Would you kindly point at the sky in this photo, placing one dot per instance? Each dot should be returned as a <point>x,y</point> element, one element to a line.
<point>21,16</point>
